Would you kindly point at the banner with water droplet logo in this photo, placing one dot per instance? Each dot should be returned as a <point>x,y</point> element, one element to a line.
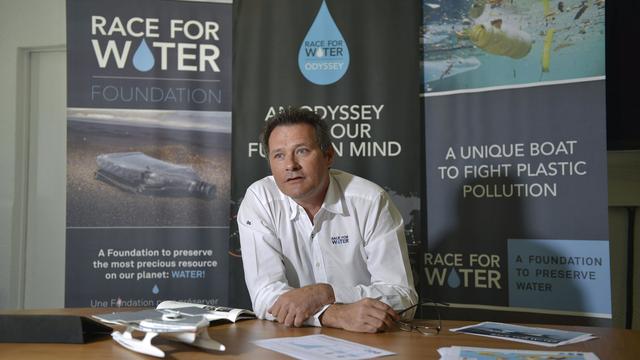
<point>149,152</point>
<point>355,63</point>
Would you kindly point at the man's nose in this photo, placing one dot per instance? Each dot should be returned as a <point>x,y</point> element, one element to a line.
<point>292,163</point>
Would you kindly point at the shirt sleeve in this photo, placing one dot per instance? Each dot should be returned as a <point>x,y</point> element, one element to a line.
<point>387,259</point>
<point>262,260</point>
<point>261,256</point>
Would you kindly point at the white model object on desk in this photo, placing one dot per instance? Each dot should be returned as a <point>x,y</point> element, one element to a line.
<point>188,329</point>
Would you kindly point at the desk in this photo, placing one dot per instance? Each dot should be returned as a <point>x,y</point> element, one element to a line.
<point>611,343</point>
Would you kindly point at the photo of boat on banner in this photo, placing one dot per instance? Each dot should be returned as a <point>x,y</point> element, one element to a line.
<point>471,44</point>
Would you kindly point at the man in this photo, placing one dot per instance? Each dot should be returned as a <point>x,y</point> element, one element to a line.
<point>321,247</point>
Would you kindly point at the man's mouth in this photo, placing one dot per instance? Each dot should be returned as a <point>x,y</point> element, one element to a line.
<point>294,178</point>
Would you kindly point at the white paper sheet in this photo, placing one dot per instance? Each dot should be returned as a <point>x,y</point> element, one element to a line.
<point>321,347</point>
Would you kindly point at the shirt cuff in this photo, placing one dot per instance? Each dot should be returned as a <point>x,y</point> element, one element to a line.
<point>315,319</point>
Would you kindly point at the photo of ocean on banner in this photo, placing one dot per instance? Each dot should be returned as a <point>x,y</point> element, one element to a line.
<point>147,168</point>
<point>474,44</point>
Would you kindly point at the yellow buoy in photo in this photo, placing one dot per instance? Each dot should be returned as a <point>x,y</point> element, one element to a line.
<point>494,39</point>
<point>546,50</point>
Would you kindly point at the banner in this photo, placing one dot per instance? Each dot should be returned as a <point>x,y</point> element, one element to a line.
<point>148,155</point>
<point>355,63</point>
<point>514,98</point>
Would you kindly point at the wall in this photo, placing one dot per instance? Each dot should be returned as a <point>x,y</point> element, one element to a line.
<point>624,194</point>
<point>23,24</point>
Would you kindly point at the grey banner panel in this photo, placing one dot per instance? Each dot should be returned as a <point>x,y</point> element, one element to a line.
<point>507,170</point>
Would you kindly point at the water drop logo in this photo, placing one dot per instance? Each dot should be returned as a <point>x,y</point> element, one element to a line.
<point>323,58</point>
<point>155,289</point>
<point>454,279</point>
<point>143,59</point>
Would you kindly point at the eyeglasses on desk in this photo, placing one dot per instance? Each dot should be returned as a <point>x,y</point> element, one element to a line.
<point>424,329</point>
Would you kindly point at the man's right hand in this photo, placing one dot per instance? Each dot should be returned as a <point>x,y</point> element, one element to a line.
<point>297,305</point>
<point>366,315</point>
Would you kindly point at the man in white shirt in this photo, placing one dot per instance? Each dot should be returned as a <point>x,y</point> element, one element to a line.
<point>321,247</point>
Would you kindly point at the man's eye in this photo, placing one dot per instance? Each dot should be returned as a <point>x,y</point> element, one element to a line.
<point>302,151</point>
<point>278,156</point>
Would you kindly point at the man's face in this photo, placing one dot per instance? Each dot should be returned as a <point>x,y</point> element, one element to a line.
<point>297,163</point>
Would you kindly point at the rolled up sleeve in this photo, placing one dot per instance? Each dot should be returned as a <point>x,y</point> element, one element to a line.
<point>264,269</point>
<point>387,260</point>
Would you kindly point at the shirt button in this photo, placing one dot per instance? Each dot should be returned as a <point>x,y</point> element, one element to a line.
<point>313,235</point>
<point>317,264</point>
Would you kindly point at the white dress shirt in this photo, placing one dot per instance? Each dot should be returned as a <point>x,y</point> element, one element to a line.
<point>356,244</point>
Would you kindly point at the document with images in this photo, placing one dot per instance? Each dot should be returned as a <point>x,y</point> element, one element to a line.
<point>321,347</point>
<point>184,312</point>
<point>211,313</point>
<point>525,334</point>
<point>463,352</point>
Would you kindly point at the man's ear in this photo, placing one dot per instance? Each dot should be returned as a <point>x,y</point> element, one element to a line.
<point>330,155</point>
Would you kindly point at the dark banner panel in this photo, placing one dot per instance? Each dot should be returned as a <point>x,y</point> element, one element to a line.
<point>355,63</point>
<point>517,210</point>
<point>148,152</point>
<point>516,188</point>
<point>165,54</point>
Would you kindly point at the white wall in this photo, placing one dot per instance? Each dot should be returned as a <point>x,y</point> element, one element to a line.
<point>23,24</point>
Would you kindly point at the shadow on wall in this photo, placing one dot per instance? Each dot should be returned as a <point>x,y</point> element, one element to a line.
<point>467,261</point>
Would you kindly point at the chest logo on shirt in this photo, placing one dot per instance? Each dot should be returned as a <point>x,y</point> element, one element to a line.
<point>340,240</point>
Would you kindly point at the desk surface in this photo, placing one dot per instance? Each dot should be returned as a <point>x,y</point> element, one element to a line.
<point>612,343</point>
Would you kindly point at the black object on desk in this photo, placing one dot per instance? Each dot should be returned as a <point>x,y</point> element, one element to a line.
<point>68,329</point>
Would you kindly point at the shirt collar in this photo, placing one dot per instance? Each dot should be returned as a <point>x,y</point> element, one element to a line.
<point>333,200</point>
<point>293,207</point>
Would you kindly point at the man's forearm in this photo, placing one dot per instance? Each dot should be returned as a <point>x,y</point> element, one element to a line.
<point>366,315</point>
<point>398,296</point>
<point>297,305</point>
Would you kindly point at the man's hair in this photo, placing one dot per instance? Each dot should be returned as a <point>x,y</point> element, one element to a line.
<point>292,116</point>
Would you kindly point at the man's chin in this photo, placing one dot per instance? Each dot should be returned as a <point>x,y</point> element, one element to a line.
<point>295,191</point>
<point>295,194</point>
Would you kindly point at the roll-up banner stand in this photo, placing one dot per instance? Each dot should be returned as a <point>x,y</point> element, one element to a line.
<point>149,152</point>
<point>516,187</point>
<point>356,64</point>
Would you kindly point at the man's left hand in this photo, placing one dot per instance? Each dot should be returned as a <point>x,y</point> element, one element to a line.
<point>295,306</point>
